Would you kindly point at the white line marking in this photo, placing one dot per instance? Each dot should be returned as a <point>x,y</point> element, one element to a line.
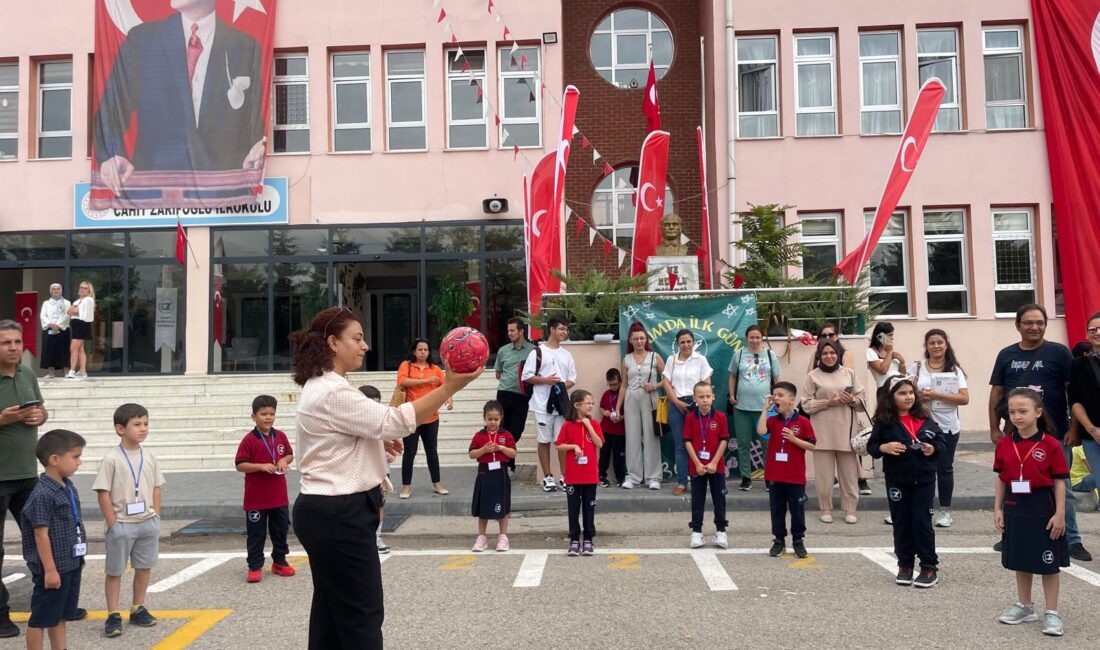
<point>13,577</point>
<point>383,558</point>
<point>190,572</point>
<point>1084,574</point>
<point>881,558</point>
<point>713,571</point>
<point>530,572</point>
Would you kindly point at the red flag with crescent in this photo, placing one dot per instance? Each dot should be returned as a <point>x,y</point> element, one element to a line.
<point>543,228</point>
<point>909,151</point>
<point>652,173</point>
<point>569,101</point>
<point>26,312</point>
<point>651,105</point>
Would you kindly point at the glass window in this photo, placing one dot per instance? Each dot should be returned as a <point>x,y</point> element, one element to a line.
<point>946,246</point>
<point>55,115</point>
<point>451,239</point>
<point>758,82</point>
<point>365,241</point>
<point>505,238</point>
<point>613,206</point>
<point>241,243</point>
<point>9,110</point>
<point>938,56</point>
<point>880,82</point>
<point>520,98</point>
<point>1013,260</point>
<point>153,244</point>
<point>506,291</point>
<point>243,315</point>
<point>821,243</point>
<point>299,241</point>
<point>157,292</point>
<point>406,105</point>
<point>301,290</point>
<point>451,277</point>
<point>105,349</point>
<point>34,246</point>
<point>291,124</point>
<point>889,265</point>
<point>1005,82</point>
<point>623,42</point>
<point>467,126</point>
<point>815,86</point>
<point>98,245</point>
<point>351,125</point>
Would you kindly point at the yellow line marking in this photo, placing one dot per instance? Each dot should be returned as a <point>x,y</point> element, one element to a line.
<point>808,562</point>
<point>458,563</point>
<point>297,561</point>
<point>624,562</point>
<point>196,623</point>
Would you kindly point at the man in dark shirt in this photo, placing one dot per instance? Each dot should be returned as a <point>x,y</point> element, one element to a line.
<point>1084,395</point>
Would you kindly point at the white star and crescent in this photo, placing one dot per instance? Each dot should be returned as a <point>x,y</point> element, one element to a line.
<point>239,7</point>
<point>908,142</point>
<point>642,197</point>
<point>535,222</point>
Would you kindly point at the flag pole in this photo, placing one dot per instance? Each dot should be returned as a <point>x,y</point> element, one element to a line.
<point>187,240</point>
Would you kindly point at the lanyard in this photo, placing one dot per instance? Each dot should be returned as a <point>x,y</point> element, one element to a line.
<point>703,428</point>
<point>1024,458</point>
<point>141,465</point>
<point>76,511</point>
<point>273,447</point>
<point>786,424</point>
<point>906,422</point>
<point>583,437</point>
<point>492,438</point>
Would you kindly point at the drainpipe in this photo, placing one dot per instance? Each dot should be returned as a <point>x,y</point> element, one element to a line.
<point>734,231</point>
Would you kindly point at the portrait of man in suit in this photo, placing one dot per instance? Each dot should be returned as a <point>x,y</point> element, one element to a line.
<point>193,84</point>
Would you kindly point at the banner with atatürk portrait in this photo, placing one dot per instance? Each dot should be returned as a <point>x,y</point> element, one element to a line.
<point>180,102</point>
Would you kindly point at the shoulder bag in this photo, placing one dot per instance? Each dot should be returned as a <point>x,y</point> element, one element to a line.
<point>859,435</point>
<point>660,414</point>
<point>398,398</point>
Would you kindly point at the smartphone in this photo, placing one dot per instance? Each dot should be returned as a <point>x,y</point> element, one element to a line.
<point>850,389</point>
<point>881,338</point>
<point>31,403</point>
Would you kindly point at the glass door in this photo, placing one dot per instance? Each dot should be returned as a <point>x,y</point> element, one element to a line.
<point>105,349</point>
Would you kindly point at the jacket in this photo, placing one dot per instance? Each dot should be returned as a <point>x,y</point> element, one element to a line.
<point>912,466</point>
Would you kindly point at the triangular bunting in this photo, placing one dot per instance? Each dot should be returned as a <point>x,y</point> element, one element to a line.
<point>496,119</point>
<point>585,143</point>
<point>684,239</point>
<point>622,257</point>
<point>497,16</point>
<point>514,63</point>
<point>503,134</point>
<point>490,7</point>
<point>606,247</point>
<point>595,155</point>
<point>580,226</point>
<point>442,15</point>
<point>591,236</point>
<point>607,169</point>
<point>575,130</point>
<point>515,46</point>
<point>465,65</point>
<point>531,97</point>
<point>673,278</point>
<point>507,32</point>
<point>459,54</point>
<point>515,152</point>
<point>447,27</point>
<point>523,62</point>
<point>435,3</point>
<point>454,39</point>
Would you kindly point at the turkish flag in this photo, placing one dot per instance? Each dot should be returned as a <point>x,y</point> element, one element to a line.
<point>218,333</point>
<point>651,106</point>
<point>703,250</point>
<point>912,144</point>
<point>181,244</point>
<point>652,172</point>
<point>569,101</point>
<point>26,312</point>
<point>543,229</point>
<point>1067,45</point>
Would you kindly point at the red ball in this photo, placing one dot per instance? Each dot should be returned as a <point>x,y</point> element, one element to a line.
<point>465,349</point>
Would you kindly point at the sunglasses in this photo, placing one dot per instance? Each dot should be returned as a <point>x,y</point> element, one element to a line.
<point>342,310</point>
<point>830,335</point>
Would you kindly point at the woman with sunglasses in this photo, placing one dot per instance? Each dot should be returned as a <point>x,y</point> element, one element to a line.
<point>343,438</point>
<point>829,332</point>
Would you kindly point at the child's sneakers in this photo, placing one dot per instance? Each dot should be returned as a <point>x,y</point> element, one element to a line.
<point>141,617</point>
<point>502,543</point>
<point>574,548</point>
<point>548,484</point>
<point>1018,613</point>
<point>905,576</point>
<point>588,549</point>
<point>720,539</point>
<point>927,578</point>
<point>604,482</point>
<point>800,549</point>
<point>284,570</point>
<point>255,575</point>
<point>480,544</point>
<point>1052,623</point>
<point>697,540</point>
<point>777,548</point>
<point>383,548</point>
<point>113,626</point>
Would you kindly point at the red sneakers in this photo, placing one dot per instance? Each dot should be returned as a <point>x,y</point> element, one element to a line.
<point>284,570</point>
<point>255,575</point>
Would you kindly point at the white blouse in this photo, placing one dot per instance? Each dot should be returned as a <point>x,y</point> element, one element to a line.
<point>683,375</point>
<point>85,309</point>
<point>55,311</point>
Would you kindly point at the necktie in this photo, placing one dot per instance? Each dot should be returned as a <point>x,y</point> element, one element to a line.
<point>194,50</point>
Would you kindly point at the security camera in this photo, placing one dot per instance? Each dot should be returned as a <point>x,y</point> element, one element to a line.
<point>494,205</point>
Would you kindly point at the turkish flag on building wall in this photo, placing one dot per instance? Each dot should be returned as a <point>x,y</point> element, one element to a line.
<point>181,244</point>
<point>569,101</point>
<point>1067,44</point>
<point>543,228</point>
<point>912,144</point>
<point>651,106</point>
<point>26,312</point>
<point>652,173</point>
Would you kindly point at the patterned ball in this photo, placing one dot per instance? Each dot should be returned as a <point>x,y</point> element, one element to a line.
<point>465,349</point>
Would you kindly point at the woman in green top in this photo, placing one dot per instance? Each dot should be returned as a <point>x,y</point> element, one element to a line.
<point>752,372</point>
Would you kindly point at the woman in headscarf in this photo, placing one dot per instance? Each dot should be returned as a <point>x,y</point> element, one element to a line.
<point>54,317</point>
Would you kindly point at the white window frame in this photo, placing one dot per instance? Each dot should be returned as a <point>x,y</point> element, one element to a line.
<point>618,190</point>
<point>1000,51</point>
<point>507,74</point>
<point>392,80</point>
<point>882,108</point>
<point>833,240</point>
<point>963,240</point>
<point>660,70</point>
<point>44,88</point>
<point>774,63</point>
<point>1014,235</point>
<point>886,238</point>
<point>954,58</point>
<point>288,80</point>
<point>363,80</point>
<point>12,135</point>
<point>479,76</point>
<point>816,59</point>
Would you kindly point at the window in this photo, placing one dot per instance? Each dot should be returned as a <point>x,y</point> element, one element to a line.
<point>405,104</point>
<point>466,124</point>
<point>624,41</point>
<point>55,115</point>
<point>1013,260</point>
<point>1005,86</point>
<point>758,100</point>
<point>9,110</point>
<point>890,265</point>
<point>880,82</point>
<point>946,248</point>
<point>1059,291</point>
<point>938,56</point>
<point>291,129</point>
<point>821,244</point>
<point>815,87</point>
<point>613,206</point>
<point>520,98</point>
<point>351,101</point>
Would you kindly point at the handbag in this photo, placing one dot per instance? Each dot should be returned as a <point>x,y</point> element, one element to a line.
<point>398,397</point>
<point>863,436</point>
<point>659,413</point>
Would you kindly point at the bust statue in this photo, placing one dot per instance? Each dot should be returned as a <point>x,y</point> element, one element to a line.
<point>670,237</point>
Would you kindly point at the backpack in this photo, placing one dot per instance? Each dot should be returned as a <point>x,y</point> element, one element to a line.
<point>525,387</point>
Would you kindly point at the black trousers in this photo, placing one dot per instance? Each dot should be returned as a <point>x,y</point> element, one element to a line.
<point>945,469</point>
<point>717,484</point>
<point>516,406</point>
<point>429,433</point>
<point>784,498</point>
<point>13,495</point>
<point>259,523</point>
<point>582,501</point>
<point>911,511</point>
<point>338,534</point>
<point>613,453</point>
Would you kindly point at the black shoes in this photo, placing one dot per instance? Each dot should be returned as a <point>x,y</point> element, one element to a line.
<point>905,576</point>
<point>1077,551</point>
<point>79,615</point>
<point>8,630</point>
<point>777,549</point>
<point>746,484</point>
<point>997,547</point>
<point>142,618</point>
<point>113,626</point>
<point>800,549</point>
<point>927,578</point>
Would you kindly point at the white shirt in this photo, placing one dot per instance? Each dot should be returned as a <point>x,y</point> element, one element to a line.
<point>683,375</point>
<point>895,368</point>
<point>55,311</point>
<point>555,361</point>
<point>946,415</point>
<point>85,309</point>
<point>206,35</point>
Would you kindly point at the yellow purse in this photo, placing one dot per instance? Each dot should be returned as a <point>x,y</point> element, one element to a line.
<point>662,410</point>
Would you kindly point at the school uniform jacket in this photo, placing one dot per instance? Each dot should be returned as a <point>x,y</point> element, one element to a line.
<point>912,466</point>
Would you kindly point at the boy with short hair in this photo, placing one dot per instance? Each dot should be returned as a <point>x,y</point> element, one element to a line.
<point>705,439</point>
<point>54,540</point>
<point>370,392</point>
<point>614,429</point>
<point>791,436</point>
<point>129,486</point>
<point>264,456</point>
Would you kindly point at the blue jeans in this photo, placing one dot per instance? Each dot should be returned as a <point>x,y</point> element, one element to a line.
<point>1092,455</point>
<point>1073,534</point>
<point>676,429</point>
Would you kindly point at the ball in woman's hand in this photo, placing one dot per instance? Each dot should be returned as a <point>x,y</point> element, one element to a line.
<point>464,349</point>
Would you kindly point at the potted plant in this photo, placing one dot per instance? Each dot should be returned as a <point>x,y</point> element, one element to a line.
<point>451,304</point>
<point>591,302</point>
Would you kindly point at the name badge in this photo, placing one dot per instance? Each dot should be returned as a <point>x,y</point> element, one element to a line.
<point>704,455</point>
<point>80,550</point>
<point>495,464</point>
<point>781,457</point>
<point>1021,487</point>
<point>582,460</point>
<point>279,472</point>
<point>135,508</point>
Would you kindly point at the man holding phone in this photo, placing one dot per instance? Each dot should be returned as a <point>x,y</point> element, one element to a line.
<point>21,413</point>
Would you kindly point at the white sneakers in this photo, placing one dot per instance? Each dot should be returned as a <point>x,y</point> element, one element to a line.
<point>720,539</point>
<point>655,485</point>
<point>548,484</point>
<point>697,540</point>
<point>628,484</point>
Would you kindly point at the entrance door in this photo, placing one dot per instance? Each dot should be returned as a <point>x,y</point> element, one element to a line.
<point>108,329</point>
<point>384,296</point>
<point>13,281</point>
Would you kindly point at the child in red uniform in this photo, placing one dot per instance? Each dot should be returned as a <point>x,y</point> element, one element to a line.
<point>791,436</point>
<point>580,440</point>
<point>492,448</point>
<point>1030,508</point>
<point>705,439</point>
<point>614,431</point>
<point>264,456</point>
